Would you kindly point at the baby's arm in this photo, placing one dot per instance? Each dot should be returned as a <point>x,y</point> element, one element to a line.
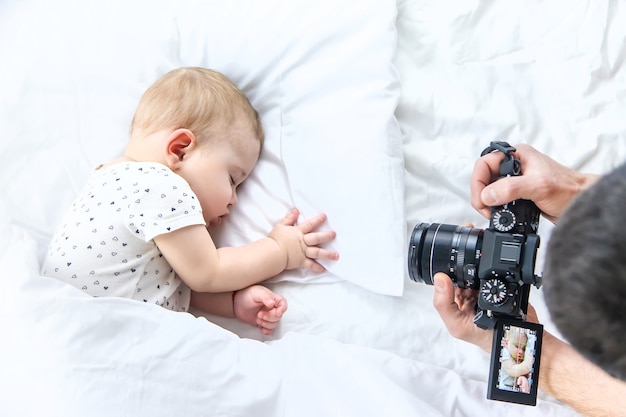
<point>522,368</point>
<point>193,255</point>
<point>255,305</point>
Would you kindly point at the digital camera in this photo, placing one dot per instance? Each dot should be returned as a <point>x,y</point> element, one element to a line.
<point>498,261</point>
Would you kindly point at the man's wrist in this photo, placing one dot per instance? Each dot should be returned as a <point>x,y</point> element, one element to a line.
<point>588,180</point>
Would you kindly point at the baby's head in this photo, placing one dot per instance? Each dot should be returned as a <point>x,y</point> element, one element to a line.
<point>202,100</point>
<point>516,340</point>
<point>199,124</point>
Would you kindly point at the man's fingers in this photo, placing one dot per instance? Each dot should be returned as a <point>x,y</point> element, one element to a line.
<point>443,299</point>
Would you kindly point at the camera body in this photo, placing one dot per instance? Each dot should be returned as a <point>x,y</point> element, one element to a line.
<point>507,262</point>
<point>499,262</point>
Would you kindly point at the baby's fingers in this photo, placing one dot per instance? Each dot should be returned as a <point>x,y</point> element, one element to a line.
<point>312,265</point>
<point>314,252</point>
<point>270,316</point>
<point>291,217</point>
<point>267,327</point>
<point>268,320</point>
<point>312,223</point>
<point>317,238</point>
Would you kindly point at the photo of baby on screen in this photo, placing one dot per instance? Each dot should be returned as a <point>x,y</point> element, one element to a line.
<point>517,359</point>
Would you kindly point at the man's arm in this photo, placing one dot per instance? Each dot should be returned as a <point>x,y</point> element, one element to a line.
<point>564,374</point>
<point>568,376</point>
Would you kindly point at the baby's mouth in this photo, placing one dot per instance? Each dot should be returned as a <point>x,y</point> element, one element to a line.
<point>219,220</point>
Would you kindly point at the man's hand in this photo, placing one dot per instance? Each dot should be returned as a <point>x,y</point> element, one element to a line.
<point>456,308</point>
<point>550,185</point>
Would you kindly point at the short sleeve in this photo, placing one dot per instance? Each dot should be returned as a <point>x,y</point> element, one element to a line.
<point>161,202</point>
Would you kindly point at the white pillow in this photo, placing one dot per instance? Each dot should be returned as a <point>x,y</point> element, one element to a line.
<point>321,74</point>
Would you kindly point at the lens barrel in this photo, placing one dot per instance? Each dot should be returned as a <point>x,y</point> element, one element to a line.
<point>447,248</point>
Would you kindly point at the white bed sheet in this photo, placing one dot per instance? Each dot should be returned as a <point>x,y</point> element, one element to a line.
<point>547,73</point>
<point>67,354</point>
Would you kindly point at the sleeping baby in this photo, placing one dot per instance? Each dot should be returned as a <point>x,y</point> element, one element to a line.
<point>138,229</point>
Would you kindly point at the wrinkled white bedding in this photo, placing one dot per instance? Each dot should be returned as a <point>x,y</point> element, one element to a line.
<point>547,73</point>
<point>67,354</point>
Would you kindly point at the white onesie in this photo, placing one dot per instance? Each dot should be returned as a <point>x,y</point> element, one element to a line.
<point>104,245</point>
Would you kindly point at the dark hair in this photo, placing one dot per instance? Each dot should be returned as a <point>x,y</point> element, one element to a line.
<point>585,273</point>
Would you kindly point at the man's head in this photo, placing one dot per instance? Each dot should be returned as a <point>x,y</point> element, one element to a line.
<point>585,273</point>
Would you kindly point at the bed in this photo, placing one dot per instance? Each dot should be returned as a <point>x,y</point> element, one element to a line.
<point>374,111</point>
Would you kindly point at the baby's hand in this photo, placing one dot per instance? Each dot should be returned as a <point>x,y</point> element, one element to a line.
<point>301,243</point>
<point>260,307</point>
<point>523,384</point>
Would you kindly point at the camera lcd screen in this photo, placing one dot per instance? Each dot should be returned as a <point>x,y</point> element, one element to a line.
<point>515,353</point>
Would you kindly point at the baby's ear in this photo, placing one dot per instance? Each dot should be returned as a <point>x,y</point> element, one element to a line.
<point>179,142</point>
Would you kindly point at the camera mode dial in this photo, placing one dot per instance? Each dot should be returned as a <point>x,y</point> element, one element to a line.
<point>494,292</point>
<point>503,220</point>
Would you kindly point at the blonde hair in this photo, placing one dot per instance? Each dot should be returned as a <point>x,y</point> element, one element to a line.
<point>199,99</point>
<point>516,333</point>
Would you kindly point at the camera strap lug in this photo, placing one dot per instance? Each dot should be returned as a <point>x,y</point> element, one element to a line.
<point>509,166</point>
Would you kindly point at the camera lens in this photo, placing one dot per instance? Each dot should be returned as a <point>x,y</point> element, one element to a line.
<point>447,248</point>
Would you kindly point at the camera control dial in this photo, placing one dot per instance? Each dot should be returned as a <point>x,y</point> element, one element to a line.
<point>503,220</point>
<point>494,292</point>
